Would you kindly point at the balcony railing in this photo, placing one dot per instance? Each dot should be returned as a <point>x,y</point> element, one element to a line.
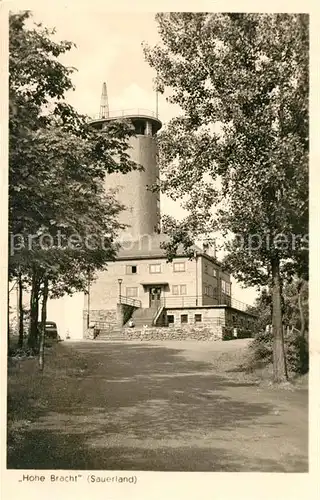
<point>191,301</point>
<point>122,113</point>
<point>204,300</point>
<point>241,306</point>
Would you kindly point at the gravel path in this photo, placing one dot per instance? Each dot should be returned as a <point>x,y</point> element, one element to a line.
<point>169,406</point>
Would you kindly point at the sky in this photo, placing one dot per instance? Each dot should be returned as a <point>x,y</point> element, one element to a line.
<point>108,49</point>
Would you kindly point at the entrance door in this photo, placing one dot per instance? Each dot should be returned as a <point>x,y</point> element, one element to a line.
<point>155,297</point>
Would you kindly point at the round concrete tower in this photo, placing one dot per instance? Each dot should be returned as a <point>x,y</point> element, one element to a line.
<point>142,212</point>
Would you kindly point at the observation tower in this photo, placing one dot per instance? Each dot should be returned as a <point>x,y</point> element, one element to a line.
<point>142,211</point>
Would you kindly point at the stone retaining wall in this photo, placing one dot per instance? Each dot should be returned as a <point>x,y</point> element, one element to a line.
<point>110,318</point>
<point>187,332</point>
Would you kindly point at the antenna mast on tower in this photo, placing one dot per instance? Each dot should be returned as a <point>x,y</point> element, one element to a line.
<point>104,106</point>
<point>157,99</point>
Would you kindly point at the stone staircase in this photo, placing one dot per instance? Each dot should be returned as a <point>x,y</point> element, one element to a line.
<point>141,317</point>
<point>110,333</point>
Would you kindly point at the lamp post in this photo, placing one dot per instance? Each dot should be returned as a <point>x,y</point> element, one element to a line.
<point>120,282</point>
<point>196,260</point>
<point>88,315</point>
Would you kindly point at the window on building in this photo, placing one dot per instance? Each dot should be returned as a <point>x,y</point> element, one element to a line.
<point>210,291</point>
<point>179,267</point>
<point>184,318</point>
<point>197,318</point>
<point>175,290</point>
<point>206,290</point>
<point>155,268</point>
<point>132,291</point>
<point>225,287</point>
<point>214,272</point>
<point>179,289</point>
<point>131,269</point>
<point>206,268</point>
<point>170,319</point>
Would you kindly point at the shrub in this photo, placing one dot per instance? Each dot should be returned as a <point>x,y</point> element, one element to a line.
<point>262,347</point>
<point>227,333</point>
<point>24,352</point>
<point>243,333</point>
<point>296,349</point>
<point>297,353</point>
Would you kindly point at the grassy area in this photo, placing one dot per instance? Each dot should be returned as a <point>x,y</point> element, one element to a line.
<point>29,390</point>
<point>153,406</point>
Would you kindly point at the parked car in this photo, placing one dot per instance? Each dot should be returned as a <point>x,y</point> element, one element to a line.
<point>52,330</point>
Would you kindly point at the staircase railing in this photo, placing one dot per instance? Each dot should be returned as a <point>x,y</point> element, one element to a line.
<point>157,315</point>
<point>130,301</point>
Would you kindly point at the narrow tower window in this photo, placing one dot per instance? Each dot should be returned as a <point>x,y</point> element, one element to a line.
<point>148,129</point>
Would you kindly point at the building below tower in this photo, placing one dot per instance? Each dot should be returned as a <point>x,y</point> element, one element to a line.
<point>141,286</point>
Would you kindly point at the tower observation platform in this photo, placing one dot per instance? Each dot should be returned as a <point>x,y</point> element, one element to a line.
<point>136,115</point>
<point>142,213</point>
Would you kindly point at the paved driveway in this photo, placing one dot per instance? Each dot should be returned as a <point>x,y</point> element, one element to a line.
<point>166,406</point>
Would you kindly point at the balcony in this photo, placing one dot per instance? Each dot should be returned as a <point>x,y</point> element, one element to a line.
<point>203,301</point>
<point>123,113</point>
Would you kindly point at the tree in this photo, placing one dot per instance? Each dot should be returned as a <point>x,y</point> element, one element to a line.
<point>57,168</point>
<point>296,314</point>
<point>20,307</point>
<point>238,154</point>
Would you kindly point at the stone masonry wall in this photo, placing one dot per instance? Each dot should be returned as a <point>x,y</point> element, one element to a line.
<point>186,332</point>
<point>209,316</point>
<point>107,317</point>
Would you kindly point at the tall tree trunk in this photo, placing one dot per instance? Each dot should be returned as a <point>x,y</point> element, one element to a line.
<point>279,361</point>
<point>34,311</point>
<point>43,323</point>
<point>301,312</point>
<point>20,308</point>
<point>8,320</point>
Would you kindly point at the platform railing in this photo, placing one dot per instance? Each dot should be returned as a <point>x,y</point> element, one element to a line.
<point>168,301</point>
<point>203,300</point>
<point>122,113</point>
